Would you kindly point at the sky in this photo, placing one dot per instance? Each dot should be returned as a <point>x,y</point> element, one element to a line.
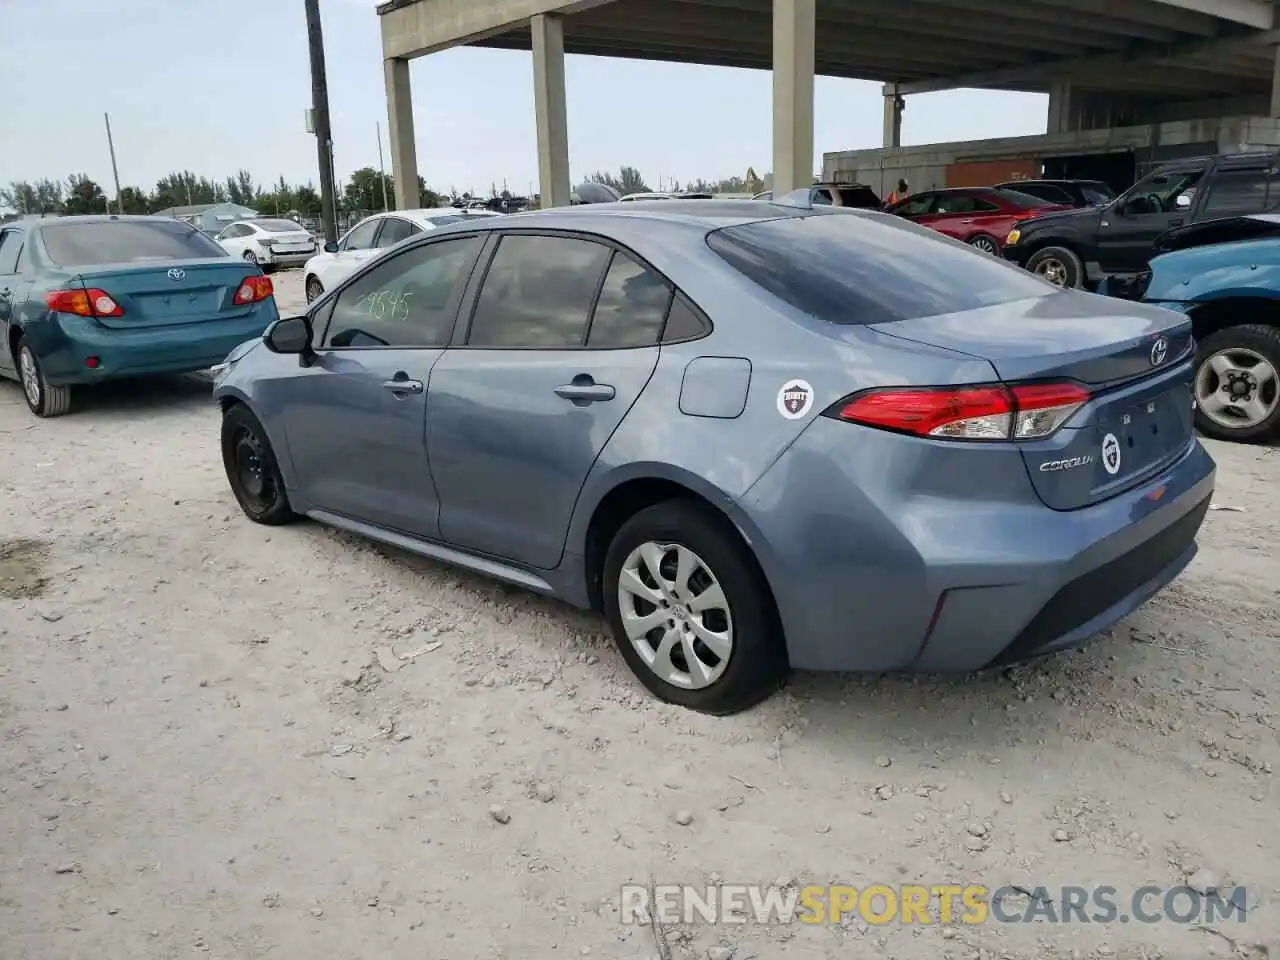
<point>214,86</point>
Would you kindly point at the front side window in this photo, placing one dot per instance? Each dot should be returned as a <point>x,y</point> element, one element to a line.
<point>538,293</point>
<point>362,236</point>
<point>916,206</point>
<point>1236,193</point>
<point>631,308</point>
<point>1163,193</point>
<point>408,301</point>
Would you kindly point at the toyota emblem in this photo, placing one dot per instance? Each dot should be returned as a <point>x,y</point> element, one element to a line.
<point>1159,350</point>
<point>176,273</point>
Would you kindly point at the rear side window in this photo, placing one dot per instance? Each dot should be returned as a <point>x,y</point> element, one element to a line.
<point>1234,192</point>
<point>632,306</point>
<point>10,245</point>
<point>125,241</point>
<point>859,197</point>
<point>393,231</point>
<point>866,268</point>
<point>538,292</point>
<point>1042,191</point>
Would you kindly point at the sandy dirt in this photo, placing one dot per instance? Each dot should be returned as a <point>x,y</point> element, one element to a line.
<point>222,740</point>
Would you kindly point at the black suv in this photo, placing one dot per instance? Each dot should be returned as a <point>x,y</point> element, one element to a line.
<point>1077,248</point>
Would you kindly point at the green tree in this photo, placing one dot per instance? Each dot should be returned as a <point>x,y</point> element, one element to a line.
<point>364,191</point>
<point>48,197</point>
<point>20,196</point>
<point>242,190</point>
<point>307,201</point>
<point>426,196</point>
<point>627,180</point>
<point>134,200</point>
<point>84,196</point>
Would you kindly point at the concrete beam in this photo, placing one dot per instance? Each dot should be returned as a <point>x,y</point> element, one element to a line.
<point>404,151</point>
<point>794,26</point>
<point>425,26</point>
<point>1144,12</point>
<point>1139,53</point>
<point>550,111</point>
<point>1061,117</point>
<point>1250,13</point>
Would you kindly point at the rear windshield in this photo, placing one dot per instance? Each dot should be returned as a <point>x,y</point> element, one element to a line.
<point>859,197</point>
<point>1019,199</point>
<point>850,268</point>
<point>124,241</point>
<point>450,218</point>
<point>278,226</point>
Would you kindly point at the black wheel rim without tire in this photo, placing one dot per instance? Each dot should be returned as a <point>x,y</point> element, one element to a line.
<point>253,474</point>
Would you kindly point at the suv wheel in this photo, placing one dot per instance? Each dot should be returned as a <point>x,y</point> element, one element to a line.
<point>690,611</point>
<point>1237,384</point>
<point>1059,265</point>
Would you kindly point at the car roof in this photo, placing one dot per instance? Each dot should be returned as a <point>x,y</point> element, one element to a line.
<point>702,215</point>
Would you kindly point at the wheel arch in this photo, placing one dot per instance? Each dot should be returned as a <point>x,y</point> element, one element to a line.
<point>643,485</point>
<point>1220,313</point>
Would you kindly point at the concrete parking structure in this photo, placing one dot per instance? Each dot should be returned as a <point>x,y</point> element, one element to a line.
<point>1104,64</point>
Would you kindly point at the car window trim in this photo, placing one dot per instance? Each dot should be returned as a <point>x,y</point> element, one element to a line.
<point>595,305</point>
<point>330,300</point>
<point>466,315</point>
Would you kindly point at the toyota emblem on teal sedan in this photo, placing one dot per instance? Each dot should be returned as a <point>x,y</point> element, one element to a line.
<point>176,274</point>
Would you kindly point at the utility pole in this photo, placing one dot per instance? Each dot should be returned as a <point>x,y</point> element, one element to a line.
<point>382,171</point>
<point>320,103</point>
<point>115,173</point>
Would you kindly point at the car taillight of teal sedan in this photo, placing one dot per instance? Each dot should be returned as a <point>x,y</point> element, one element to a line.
<point>89,299</point>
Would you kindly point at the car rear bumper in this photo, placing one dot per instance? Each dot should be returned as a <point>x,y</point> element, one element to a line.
<point>891,553</point>
<point>179,348</point>
<point>275,259</point>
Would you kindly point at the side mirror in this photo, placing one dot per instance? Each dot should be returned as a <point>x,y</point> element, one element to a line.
<point>289,335</point>
<point>330,247</point>
<point>1182,202</point>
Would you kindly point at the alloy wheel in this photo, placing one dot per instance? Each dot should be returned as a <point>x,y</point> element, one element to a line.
<point>1053,270</point>
<point>985,244</point>
<point>30,376</point>
<point>1237,388</point>
<point>676,614</point>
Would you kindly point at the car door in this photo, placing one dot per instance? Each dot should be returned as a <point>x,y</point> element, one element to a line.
<point>1126,231</point>
<point>916,208</point>
<point>355,418</point>
<point>12,290</point>
<point>952,214</point>
<point>560,340</point>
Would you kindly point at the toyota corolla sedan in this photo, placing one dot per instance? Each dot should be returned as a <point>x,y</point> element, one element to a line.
<point>755,436</point>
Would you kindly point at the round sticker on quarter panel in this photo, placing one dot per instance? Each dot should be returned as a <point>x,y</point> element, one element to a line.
<point>795,399</point>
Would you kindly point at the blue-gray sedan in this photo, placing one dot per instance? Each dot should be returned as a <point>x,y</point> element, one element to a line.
<point>755,436</point>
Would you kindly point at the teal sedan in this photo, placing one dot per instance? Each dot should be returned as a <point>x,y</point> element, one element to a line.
<point>89,299</point>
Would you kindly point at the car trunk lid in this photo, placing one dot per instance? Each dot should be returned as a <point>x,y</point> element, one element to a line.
<point>1135,360</point>
<point>169,292</point>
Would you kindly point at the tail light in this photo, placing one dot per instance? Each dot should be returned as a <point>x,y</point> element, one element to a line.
<point>1029,411</point>
<point>84,303</point>
<point>253,289</point>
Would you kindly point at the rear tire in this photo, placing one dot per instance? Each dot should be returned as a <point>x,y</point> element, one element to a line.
<point>1059,266</point>
<point>43,399</point>
<point>987,245</point>
<point>252,469</point>
<point>663,631</point>
<point>1247,355</point>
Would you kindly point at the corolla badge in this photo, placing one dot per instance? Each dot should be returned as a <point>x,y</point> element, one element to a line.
<point>1159,350</point>
<point>1057,466</point>
<point>177,273</point>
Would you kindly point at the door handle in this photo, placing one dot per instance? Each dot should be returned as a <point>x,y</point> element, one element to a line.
<point>585,390</point>
<point>400,383</point>
<point>1177,221</point>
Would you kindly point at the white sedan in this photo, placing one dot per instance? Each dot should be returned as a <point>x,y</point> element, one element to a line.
<point>271,243</point>
<point>370,237</point>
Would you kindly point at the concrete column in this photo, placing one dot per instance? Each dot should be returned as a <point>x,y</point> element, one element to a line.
<point>1061,109</point>
<point>793,68</point>
<point>1275,83</point>
<point>404,152</point>
<point>894,105</point>
<point>549,109</point>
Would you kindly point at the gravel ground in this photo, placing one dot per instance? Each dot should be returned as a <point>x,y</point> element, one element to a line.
<point>223,740</point>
